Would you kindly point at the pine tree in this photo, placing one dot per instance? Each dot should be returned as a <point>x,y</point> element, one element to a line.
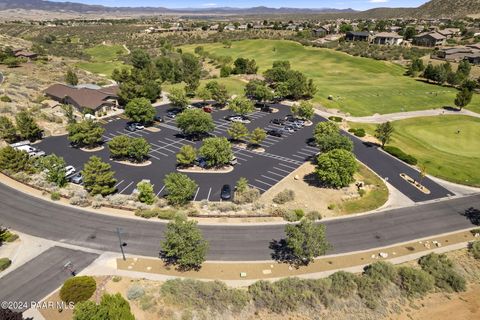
<point>98,177</point>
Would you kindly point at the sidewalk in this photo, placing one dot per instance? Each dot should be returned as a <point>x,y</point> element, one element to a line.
<point>380,118</point>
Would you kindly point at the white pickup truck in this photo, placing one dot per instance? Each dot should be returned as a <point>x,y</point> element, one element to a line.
<point>25,146</point>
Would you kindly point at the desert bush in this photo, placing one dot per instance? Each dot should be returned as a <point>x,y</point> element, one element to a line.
<point>284,196</point>
<point>313,215</point>
<point>475,249</point>
<point>167,214</point>
<point>55,196</point>
<point>4,263</point>
<point>335,119</point>
<point>278,212</point>
<point>441,268</point>
<point>116,278</point>
<point>398,153</point>
<point>294,215</point>
<point>369,290</point>
<point>248,196</point>
<point>414,282</point>
<point>343,284</point>
<point>77,289</point>
<point>117,200</point>
<point>382,272</point>
<point>214,295</point>
<point>135,291</point>
<point>5,98</point>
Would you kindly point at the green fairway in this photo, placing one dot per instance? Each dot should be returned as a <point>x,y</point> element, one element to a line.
<point>233,85</point>
<point>104,59</point>
<point>360,86</point>
<point>434,141</point>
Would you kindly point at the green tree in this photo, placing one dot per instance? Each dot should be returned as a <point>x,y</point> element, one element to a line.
<point>184,245</point>
<point>8,132</point>
<point>178,98</point>
<point>241,185</point>
<point>463,70</point>
<point>306,240</point>
<point>145,192</point>
<point>237,131</point>
<point>304,111</point>
<point>191,71</point>
<point>71,77</point>
<point>69,113</point>
<point>204,94</point>
<point>187,155</point>
<point>257,136</point>
<point>218,92</point>
<point>111,307</point>
<point>86,133</point>
<point>258,90</point>
<point>217,151</point>
<point>119,147</point>
<point>409,33</point>
<point>245,66</point>
<point>98,177</point>
<point>326,128</point>
<point>78,289</point>
<point>336,168</point>
<point>140,110</point>
<point>384,132</point>
<point>334,141</point>
<point>463,98</point>
<point>195,122</point>
<point>139,59</point>
<point>180,188</point>
<point>138,149</point>
<point>241,106</point>
<point>54,167</point>
<point>27,127</point>
<point>13,160</point>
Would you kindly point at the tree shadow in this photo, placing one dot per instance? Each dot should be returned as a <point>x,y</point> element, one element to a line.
<point>283,254</point>
<point>173,262</point>
<point>473,215</point>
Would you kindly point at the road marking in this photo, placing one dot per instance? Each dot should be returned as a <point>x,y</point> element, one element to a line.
<point>285,165</point>
<point>305,153</point>
<point>268,184</point>
<point>126,187</point>
<point>118,183</point>
<point>160,190</point>
<point>267,177</point>
<point>280,175</point>
<point>254,186</point>
<point>297,156</point>
<point>209,191</point>
<point>198,189</point>
<point>151,155</point>
<point>282,170</point>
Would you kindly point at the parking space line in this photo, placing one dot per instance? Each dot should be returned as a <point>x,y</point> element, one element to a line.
<point>126,187</point>
<point>297,156</point>
<point>268,184</point>
<point>311,148</point>
<point>118,184</point>
<point>305,153</point>
<point>160,190</point>
<point>209,191</point>
<point>267,177</point>
<point>256,187</point>
<point>198,189</point>
<point>285,165</point>
<point>277,174</point>
<point>282,170</point>
<point>151,155</point>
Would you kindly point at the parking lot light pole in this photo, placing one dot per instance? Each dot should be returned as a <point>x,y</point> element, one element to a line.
<point>122,244</point>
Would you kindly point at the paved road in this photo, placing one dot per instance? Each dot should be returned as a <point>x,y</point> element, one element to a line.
<point>41,275</point>
<point>235,243</point>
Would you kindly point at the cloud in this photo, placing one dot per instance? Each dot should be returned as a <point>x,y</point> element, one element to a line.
<point>378,1</point>
<point>209,5</point>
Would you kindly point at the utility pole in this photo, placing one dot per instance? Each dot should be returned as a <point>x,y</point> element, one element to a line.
<point>122,244</point>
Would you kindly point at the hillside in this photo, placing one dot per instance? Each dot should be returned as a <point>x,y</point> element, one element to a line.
<point>448,8</point>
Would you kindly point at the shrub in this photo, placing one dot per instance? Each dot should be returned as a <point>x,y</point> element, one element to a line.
<point>475,249</point>
<point>4,263</point>
<point>248,196</point>
<point>313,215</point>
<point>343,284</point>
<point>294,215</point>
<point>116,278</point>
<point>383,272</point>
<point>415,282</point>
<point>369,290</point>
<point>167,214</point>
<point>335,119</point>
<point>55,196</point>
<point>284,196</point>
<point>214,295</point>
<point>331,206</point>
<point>5,98</point>
<point>398,153</point>
<point>360,132</point>
<point>135,291</point>
<point>78,289</point>
<point>441,268</point>
<point>7,236</point>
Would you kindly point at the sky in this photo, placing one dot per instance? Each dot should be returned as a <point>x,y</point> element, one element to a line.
<point>340,4</point>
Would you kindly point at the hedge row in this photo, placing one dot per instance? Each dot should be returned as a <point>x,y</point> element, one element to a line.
<point>398,153</point>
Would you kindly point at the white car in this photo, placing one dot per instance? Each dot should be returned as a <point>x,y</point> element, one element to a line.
<point>69,170</point>
<point>139,126</point>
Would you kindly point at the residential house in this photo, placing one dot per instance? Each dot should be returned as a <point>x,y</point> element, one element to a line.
<point>229,27</point>
<point>388,38</point>
<point>429,39</point>
<point>243,27</point>
<point>85,97</point>
<point>455,54</point>
<point>320,32</point>
<point>449,32</point>
<point>214,27</point>
<point>473,58</point>
<point>358,36</point>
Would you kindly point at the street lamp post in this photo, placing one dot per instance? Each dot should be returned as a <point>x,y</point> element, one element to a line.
<point>122,244</point>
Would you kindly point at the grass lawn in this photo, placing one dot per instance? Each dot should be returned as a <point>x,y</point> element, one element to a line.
<point>434,141</point>
<point>104,59</point>
<point>360,86</point>
<point>234,85</point>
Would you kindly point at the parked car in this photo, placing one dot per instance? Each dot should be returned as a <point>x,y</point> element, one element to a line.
<point>89,116</point>
<point>172,114</point>
<point>226,192</point>
<point>297,125</point>
<point>139,126</point>
<point>290,118</point>
<point>130,127</point>
<point>77,178</point>
<point>69,170</point>
<point>159,119</point>
<point>289,129</point>
<point>275,132</point>
<point>208,109</point>
<point>201,162</point>
<point>32,151</point>
<point>278,121</point>
<point>233,161</point>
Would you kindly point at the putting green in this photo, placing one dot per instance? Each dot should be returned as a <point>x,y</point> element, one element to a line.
<point>104,59</point>
<point>359,86</point>
<point>448,146</point>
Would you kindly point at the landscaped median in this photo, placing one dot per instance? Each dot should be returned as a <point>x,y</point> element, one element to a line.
<point>320,267</point>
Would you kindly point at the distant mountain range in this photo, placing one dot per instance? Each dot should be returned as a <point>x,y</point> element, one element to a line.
<point>432,9</point>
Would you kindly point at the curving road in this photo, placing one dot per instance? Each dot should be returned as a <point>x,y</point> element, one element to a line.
<point>44,219</point>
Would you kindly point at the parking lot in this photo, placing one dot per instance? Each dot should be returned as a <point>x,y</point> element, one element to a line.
<point>263,170</point>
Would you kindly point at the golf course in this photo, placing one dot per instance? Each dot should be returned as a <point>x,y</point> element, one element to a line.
<point>359,86</point>
<point>447,146</point>
<point>104,59</point>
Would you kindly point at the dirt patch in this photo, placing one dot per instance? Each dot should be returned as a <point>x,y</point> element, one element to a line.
<point>135,164</point>
<point>197,169</point>
<point>152,129</point>
<point>93,149</point>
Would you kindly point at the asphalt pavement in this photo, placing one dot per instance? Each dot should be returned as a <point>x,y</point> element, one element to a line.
<point>40,276</point>
<point>44,219</point>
